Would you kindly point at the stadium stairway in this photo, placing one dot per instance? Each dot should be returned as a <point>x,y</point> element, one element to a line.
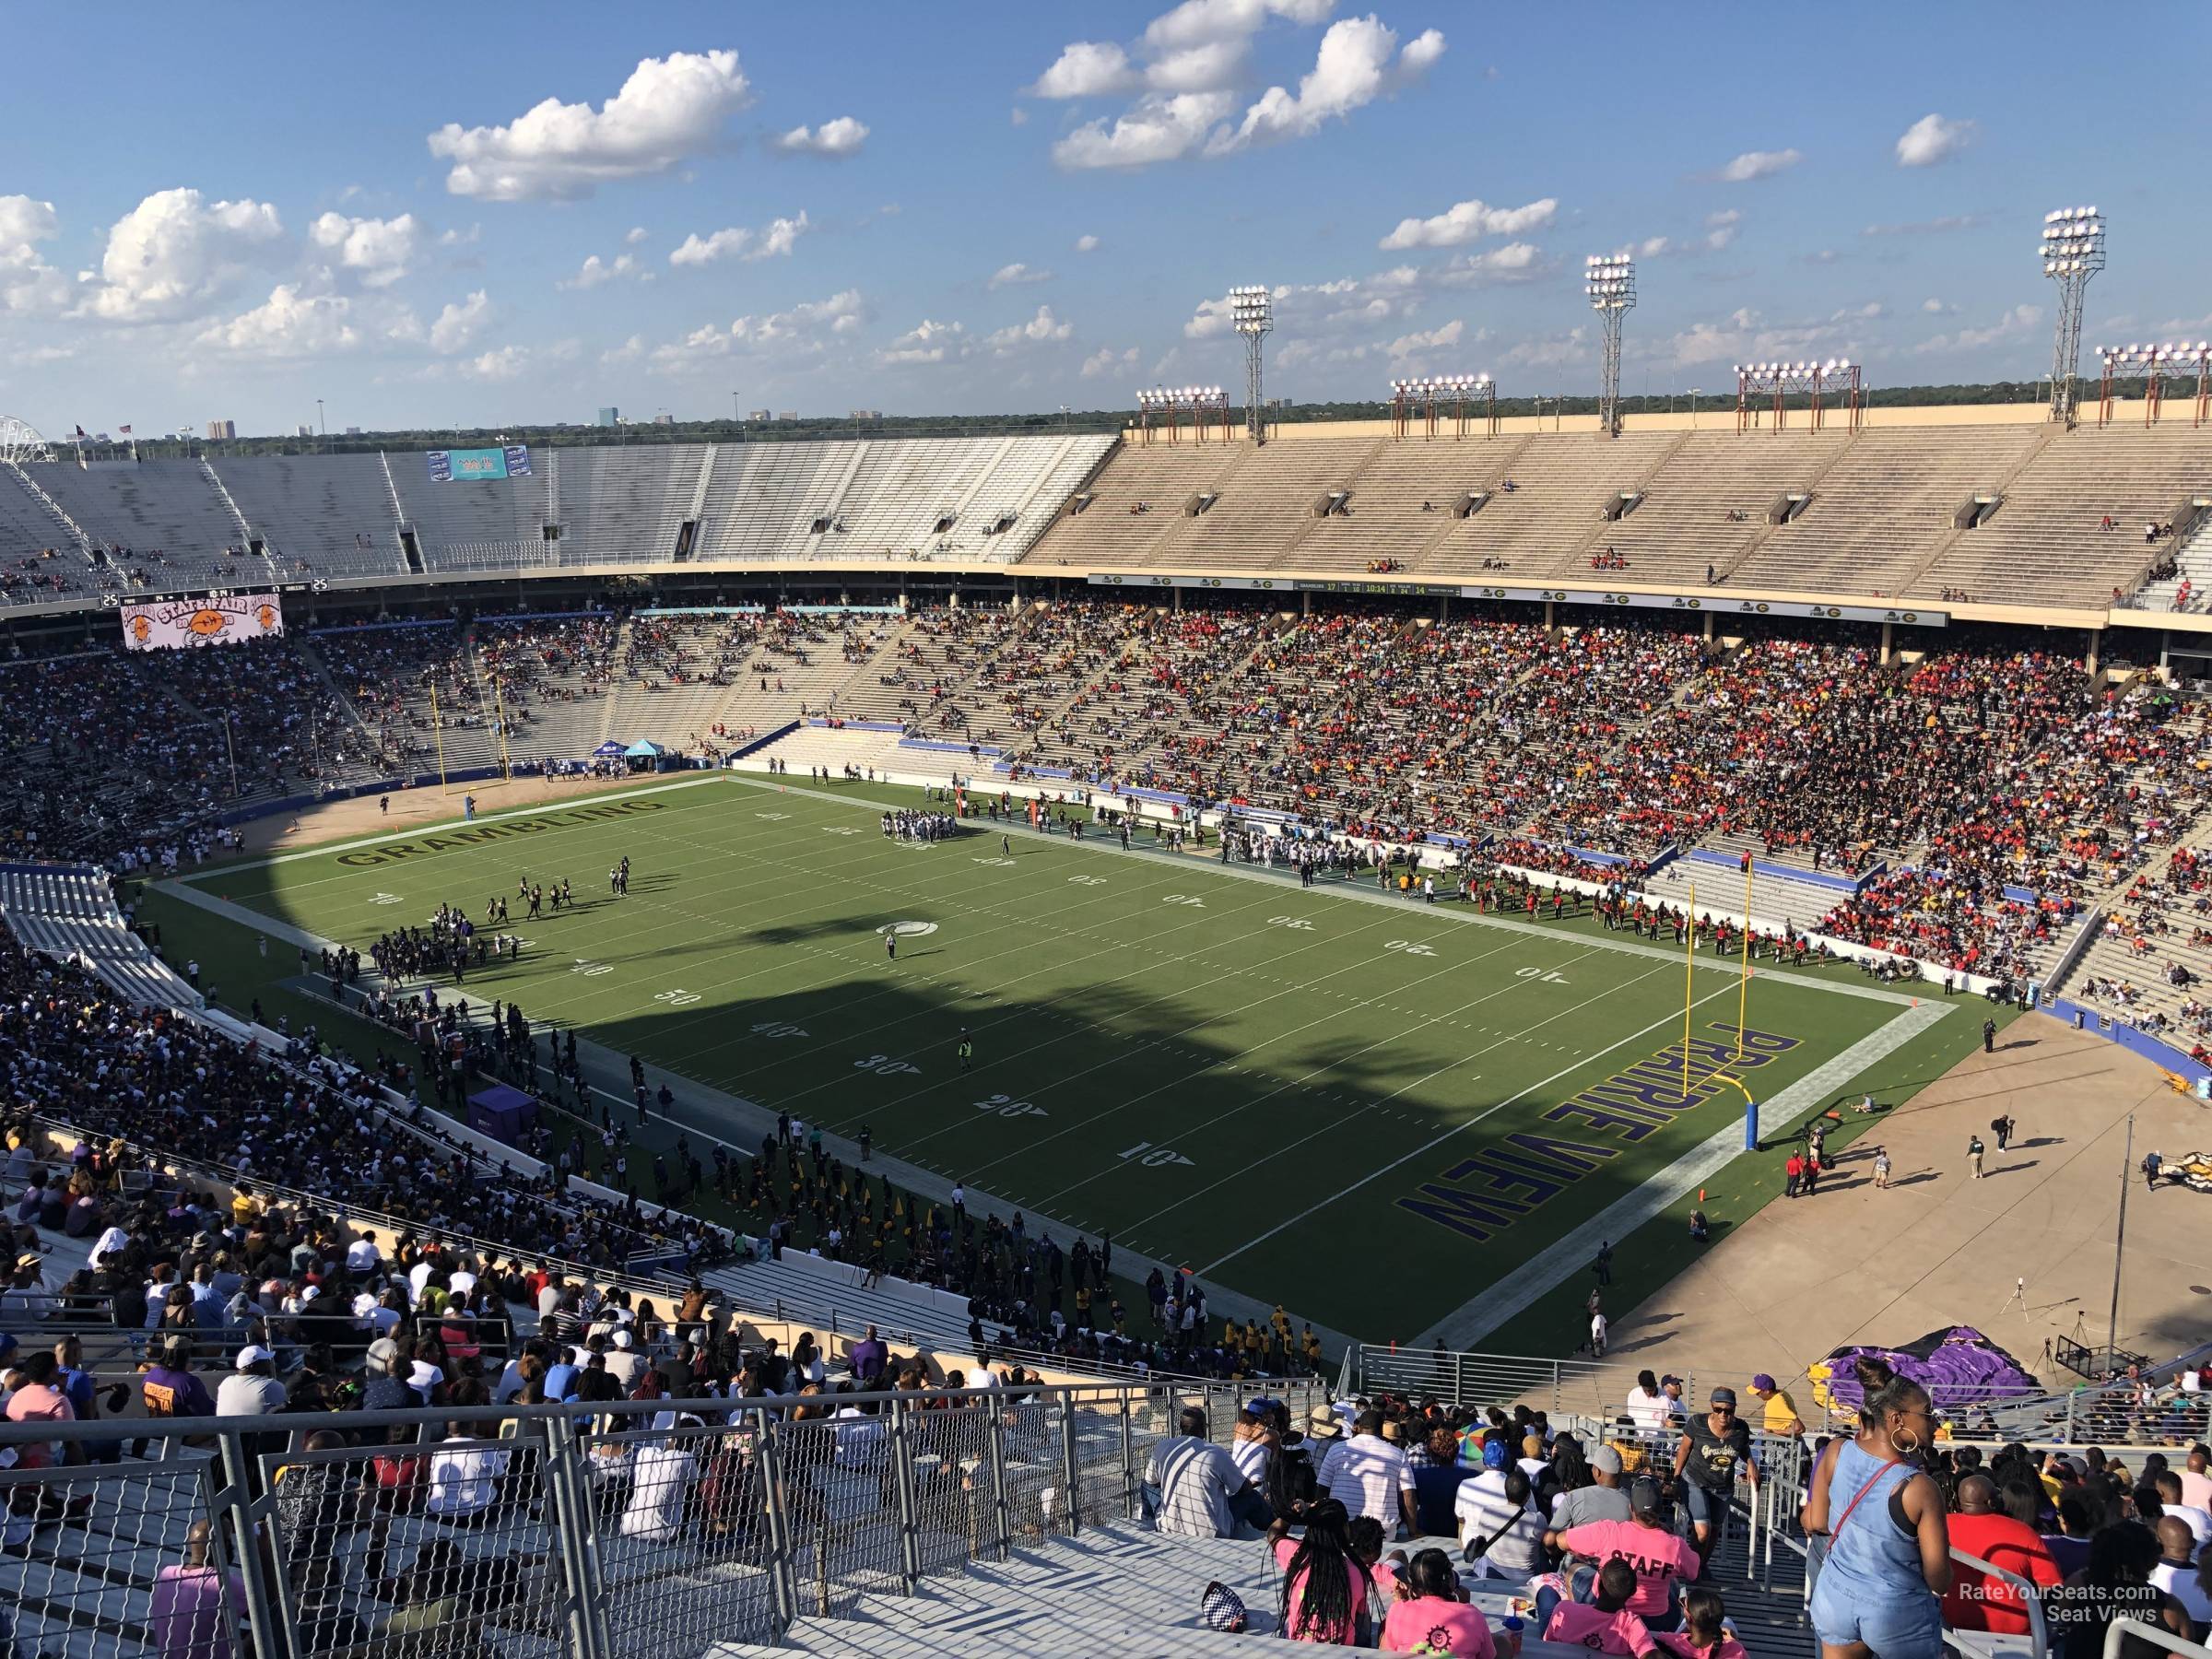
<point>1126,1592</point>
<point>2194,557</point>
<point>843,1310</point>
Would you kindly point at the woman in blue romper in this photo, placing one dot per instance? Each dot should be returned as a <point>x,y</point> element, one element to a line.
<point>1888,1550</point>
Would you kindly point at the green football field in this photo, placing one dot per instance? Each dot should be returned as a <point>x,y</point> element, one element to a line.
<point>1370,1108</point>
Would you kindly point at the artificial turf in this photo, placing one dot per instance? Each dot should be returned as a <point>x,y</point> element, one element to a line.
<point>1258,1080</point>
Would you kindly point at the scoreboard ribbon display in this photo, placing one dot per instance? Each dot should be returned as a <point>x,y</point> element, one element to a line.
<point>512,462</point>
<point>217,620</point>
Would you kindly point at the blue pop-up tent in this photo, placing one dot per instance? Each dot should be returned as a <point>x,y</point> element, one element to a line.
<point>609,750</point>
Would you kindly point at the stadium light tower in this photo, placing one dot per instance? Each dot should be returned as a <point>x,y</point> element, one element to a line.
<point>2073,251</point>
<point>1609,279</point>
<point>1251,314</point>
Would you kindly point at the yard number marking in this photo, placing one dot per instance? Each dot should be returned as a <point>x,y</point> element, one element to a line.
<point>1538,974</point>
<point>1408,947</point>
<point>1298,922</point>
<point>1087,881</point>
<point>593,969</point>
<point>883,1066</point>
<point>387,899</point>
<point>772,817</point>
<point>1190,899</point>
<point>1008,1107</point>
<point>838,830</point>
<point>1152,1157</point>
<point>677,999</point>
<point>778,1028</point>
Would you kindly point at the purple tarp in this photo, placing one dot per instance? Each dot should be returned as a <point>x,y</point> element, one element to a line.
<point>1958,1366</point>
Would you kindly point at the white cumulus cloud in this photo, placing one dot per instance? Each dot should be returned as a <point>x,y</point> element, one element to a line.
<point>804,328</point>
<point>1015,275</point>
<point>174,252</point>
<point>287,324</point>
<point>843,137</point>
<point>1359,62</point>
<point>1086,244</point>
<point>1152,130</point>
<point>26,282</point>
<point>1760,164</point>
<point>669,110</point>
<point>1932,139</point>
<point>928,342</point>
<point>1469,221</point>
<point>1106,360</point>
<point>1043,329</point>
<point>460,322</point>
<point>635,234</point>
<point>1426,339</point>
<point>379,249</point>
<point>1185,78</point>
<point>737,242</point>
<point>1086,69</point>
<point>598,272</point>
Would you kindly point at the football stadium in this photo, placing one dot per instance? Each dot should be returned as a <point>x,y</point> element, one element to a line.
<point>1409,996</point>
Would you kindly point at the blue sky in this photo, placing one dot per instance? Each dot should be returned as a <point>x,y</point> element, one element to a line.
<point>481,218</point>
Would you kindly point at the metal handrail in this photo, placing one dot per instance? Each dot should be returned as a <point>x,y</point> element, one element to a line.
<point>2116,1635</point>
<point>2031,1595</point>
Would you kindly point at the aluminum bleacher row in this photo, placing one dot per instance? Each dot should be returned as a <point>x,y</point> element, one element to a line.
<point>242,518</point>
<point>67,911</point>
<point>1877,513</point>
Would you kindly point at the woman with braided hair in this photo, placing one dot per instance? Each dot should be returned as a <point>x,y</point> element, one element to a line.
<point>1888,1550</point>
<point>1325,1584</point>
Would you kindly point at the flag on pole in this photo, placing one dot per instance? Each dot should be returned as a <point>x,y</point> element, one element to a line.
<point>80,433</point>
<point>124,430</point>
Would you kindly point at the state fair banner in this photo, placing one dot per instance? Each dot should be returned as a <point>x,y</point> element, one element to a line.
<point>215,620</point>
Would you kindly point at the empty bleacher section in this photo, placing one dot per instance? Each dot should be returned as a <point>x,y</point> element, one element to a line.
<point>893,499</point>
<point>162,517</point>
<point>626,503</point>
<point>70,912</point>
<point>1876,512</point>
<point>1711,500</point>
<point>1884,507</point>
<point>41,561</point>
<point>1267,508</point>
<point>2047,544</point>
<point>317,516</point>
<point>477,523</point>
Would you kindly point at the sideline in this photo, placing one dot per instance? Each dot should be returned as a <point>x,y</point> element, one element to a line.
<point>1449,911</point>
<point>1570,1256</point>
<point>1508,1295</point>
<point>735,1113</point>
<point>443,827</point>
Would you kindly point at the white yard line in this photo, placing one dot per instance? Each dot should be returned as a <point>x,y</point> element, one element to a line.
<point>446,828</point>
<point>1572,1254</point>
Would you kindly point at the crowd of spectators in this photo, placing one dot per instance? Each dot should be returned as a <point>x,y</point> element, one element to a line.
<point>153,1087</point>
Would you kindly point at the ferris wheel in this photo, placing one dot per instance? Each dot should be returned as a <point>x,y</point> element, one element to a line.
<point>19,440</point>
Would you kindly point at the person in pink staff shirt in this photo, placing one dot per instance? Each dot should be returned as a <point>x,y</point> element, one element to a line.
<point>1605,1626</point>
